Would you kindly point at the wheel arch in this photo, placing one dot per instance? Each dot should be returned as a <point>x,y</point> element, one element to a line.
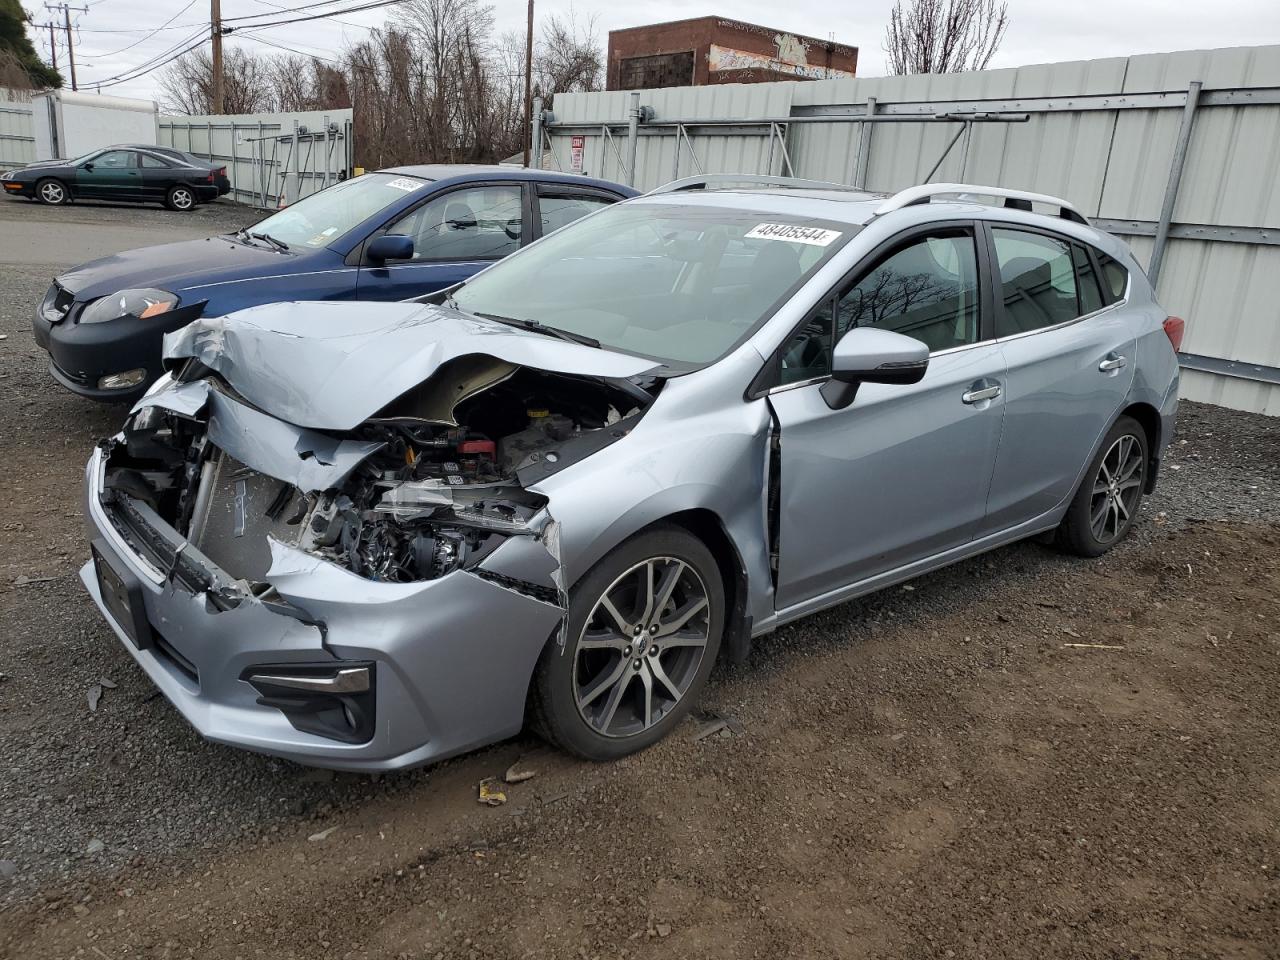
<point>1148,417</point>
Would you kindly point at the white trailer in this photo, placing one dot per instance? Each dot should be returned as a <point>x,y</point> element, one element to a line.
<point>68,124</point>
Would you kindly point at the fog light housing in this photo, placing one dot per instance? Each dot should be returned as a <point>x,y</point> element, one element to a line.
<point>123,381</point>
<point>333,700</point>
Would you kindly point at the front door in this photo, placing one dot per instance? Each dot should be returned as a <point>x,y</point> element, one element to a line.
<point>903,472</point>
<point>455,235</point>
<point>110,176</point>
<point>1070,366</point>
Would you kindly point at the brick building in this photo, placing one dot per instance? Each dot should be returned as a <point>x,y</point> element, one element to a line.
<point>718,50</point>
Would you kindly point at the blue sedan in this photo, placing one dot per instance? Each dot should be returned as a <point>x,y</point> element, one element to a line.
<point>389,235</point>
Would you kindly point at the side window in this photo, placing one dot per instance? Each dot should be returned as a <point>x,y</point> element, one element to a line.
<point>1086,281</point>
<point>927,289</point>
<point>560,210</point>
<point>476,223</point>
<point>148,162</point>
<point>1038,281</point>
<point>1114,277</point>
<point>113,160</point>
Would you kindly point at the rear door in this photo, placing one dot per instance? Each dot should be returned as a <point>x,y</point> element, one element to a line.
<point>112,175</point>
<point>1070,363</point>
<point>455,233</point>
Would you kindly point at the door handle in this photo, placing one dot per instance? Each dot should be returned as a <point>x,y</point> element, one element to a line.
<point>1113,362</point>
<point>982,393</point>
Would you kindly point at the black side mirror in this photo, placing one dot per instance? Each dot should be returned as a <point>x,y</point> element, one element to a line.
<point>390,246</point>
<point>89,167</point>
<point>871,355</point>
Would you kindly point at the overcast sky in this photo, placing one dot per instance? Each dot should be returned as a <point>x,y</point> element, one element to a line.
<point>1040,31</point>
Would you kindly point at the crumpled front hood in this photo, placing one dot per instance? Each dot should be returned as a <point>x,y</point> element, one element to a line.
<point>331,366</point>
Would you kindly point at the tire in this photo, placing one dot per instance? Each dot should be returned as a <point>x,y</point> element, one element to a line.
<point>52,192</point>
<point>1104,508</point>
<point>591,700</point>
<point>180,198</point>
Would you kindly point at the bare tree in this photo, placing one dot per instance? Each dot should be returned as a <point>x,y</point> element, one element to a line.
<point>568,57</point>
<point>944,36</point>
<point>186,85</point>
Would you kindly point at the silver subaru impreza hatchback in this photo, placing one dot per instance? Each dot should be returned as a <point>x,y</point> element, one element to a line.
<point>367,536</point>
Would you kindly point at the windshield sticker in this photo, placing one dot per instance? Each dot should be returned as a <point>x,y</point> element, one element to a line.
<point>407,184</point>
<point>814,236</point>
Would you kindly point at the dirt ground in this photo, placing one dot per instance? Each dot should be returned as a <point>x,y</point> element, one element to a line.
<point>1025,755</point>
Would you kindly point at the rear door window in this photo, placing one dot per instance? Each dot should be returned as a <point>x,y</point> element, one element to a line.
<point>1037,281</point>
<point>474,223</point>
<point>150,162</point>
<point>559,209</point>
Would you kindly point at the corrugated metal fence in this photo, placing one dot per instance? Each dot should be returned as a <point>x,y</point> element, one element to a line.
<point>269,156</point>
<point>17,141</point>
<point>1105,134</point>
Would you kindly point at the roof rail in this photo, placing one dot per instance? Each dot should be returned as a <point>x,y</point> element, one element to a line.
<point>708,180</point>
<point>1016,199</point>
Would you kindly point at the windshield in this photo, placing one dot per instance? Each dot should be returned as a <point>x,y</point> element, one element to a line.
<point>322,217</point>
<point>680,284</point>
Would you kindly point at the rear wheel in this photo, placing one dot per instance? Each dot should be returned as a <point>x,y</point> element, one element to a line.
<point>52,192</point>
<point>643,631</point>
<point>1106,505</point>
<point>180,198</point>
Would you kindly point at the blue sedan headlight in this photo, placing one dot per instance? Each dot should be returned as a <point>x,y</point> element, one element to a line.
<point>129,303</point>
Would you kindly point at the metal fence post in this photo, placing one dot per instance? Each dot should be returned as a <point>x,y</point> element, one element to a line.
<point>235,162</point>
<point>633,137</point>
<point>325,182</point>
<point>864,147</point>
<point>1175,177</point>
<point>535,156</point>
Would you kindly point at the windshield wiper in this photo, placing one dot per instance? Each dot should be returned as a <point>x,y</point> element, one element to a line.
<point>542,328</point>
<point>278,244</point>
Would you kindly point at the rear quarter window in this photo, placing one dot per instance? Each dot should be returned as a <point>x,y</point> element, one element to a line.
<point>1115,278</point>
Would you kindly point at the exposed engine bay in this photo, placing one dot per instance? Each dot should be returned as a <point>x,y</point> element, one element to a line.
<point>438,478</point>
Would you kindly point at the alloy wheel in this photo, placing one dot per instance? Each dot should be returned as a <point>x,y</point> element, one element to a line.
<point>52,192</point>
<point>641,647</point>
<point>183,199</point>
<point>1116,489</point>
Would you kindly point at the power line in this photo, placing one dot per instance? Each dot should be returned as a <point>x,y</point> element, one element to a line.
<point>323,16</point>
<point>350,23</point>
<point>281,46</point>
<point>305,6</point>
<point>149,35</point>
<point>156,62</point>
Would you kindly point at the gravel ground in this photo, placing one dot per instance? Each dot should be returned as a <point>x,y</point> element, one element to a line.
<point>925,772</point>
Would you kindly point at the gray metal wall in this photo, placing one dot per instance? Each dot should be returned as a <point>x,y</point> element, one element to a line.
<point>271,155</point>
<point>17,140</point>
<point>1101,133</point>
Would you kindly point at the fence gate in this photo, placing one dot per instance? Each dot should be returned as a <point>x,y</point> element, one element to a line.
<point>271,159</point>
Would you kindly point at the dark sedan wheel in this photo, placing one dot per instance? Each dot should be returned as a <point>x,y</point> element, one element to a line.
<point>180,198</point>
<point>643,631</point>
<point>1106,505</point>
<point>52,192</point>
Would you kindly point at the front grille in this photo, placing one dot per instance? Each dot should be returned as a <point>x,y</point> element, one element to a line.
<point>236,512</point>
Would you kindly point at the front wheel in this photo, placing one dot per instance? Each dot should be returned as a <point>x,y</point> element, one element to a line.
<point>1106,505</point>
<point>52,192</point>
<point>642,635</point>
<point>180,198</point>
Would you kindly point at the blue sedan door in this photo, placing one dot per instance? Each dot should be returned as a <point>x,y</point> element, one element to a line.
<point>456,233</point>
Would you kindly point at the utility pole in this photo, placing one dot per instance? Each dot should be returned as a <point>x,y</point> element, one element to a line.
<point>528,90</point>
<point>66,21</point>
<point>53,46</point>
<point>215,28</point>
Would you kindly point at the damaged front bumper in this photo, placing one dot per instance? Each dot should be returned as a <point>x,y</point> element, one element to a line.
<point>448,661</point>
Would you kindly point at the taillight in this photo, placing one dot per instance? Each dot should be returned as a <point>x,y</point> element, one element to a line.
<point>1173,327</point>
<point>209,178</point>
<point>222,171</point>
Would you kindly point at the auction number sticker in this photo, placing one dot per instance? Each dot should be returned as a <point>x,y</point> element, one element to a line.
<point>407,184</point>
<point>814,236</point>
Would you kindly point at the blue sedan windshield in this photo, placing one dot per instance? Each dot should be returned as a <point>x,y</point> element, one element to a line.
<point>321,218</point>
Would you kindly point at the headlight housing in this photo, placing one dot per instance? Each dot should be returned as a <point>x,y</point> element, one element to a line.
<point>129,303</point>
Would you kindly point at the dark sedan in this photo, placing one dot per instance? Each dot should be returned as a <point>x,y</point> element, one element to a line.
<point>389,235</point>
<point>133,174</point>
<point>190,159</point>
